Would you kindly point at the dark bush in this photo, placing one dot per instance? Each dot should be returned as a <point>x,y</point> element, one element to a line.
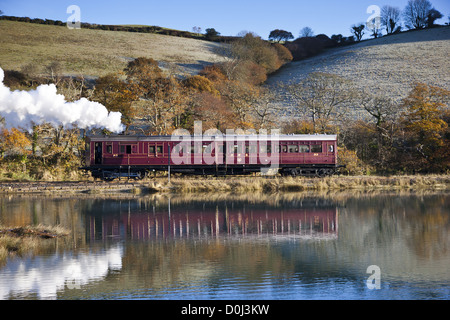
<point>309,46</point>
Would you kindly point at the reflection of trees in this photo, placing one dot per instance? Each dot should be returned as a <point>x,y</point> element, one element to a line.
<point>407,235</point>
<point>430,233</point>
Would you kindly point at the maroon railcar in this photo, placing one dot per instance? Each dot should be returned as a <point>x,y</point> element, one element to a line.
<point>111,157</point>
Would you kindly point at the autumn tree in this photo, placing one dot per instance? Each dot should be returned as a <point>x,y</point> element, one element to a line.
<point>143,70</point>
<point>377,135</point>
<point>253,48</point>
<point>57,145</point>
<point>264,110</point>
<point>14,142</point>
<point>116,95</point>
<point>211,110</point>
<point>213,73</point>
<point>241,98</point>
<point>284,55</point>
<point>161,98</point>
<point>425,127</point>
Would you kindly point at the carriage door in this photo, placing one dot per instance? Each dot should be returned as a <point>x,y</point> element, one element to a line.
<point>331,152</point>
<point>98,153</point>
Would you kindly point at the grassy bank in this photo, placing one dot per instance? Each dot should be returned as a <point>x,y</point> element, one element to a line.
<point>290,184</point>
<point>19,241</point>
<point>189,185</point>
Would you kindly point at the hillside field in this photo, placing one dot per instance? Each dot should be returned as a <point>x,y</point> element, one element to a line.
<point>386,66</point>
<point>94,53</point>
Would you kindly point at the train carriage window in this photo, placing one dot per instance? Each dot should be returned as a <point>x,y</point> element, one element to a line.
<point>159,149</point>
<point>283,149</point>
<point>126,149</point>
<point>264,148</point>
<point>109,149</point>
<point>304,149</point>
<point>240,148</point>
<point>331,148</point>
<point>207,149</point>
<point>151,149</point>
<point>316,148</point>
<point>293,149</point>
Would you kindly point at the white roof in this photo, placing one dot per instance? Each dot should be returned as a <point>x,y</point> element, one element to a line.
<point>293,137</point>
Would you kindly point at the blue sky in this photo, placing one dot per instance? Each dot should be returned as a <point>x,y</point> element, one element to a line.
<point>228,17</point>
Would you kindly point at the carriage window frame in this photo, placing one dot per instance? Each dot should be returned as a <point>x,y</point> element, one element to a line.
<point>293,148</point>
<point>126,149</point>
<point>304,148</point>
<point>316,148</point>
<point>252,148</point>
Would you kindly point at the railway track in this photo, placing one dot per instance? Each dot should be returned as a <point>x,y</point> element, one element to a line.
<point>67,187</point>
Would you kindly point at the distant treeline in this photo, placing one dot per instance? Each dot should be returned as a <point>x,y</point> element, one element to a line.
<point>137,29</point>
<point>310,46</point>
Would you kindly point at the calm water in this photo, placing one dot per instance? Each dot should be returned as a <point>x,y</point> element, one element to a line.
<point>229,247</point>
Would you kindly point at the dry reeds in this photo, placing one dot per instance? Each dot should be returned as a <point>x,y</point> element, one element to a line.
<point>291,184</point>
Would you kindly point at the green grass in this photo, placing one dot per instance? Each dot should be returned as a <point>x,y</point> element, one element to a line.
<point>91,52</point>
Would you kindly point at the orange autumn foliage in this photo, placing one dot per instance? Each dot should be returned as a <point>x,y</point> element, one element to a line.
<point>14,142</point>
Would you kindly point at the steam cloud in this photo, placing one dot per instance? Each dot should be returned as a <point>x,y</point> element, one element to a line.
<point>43,105</point>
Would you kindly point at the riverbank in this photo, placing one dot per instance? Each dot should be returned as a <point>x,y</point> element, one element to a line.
<point>18,241</point>
<point>230,184</point>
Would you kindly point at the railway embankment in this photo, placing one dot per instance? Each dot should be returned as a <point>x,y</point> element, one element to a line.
<point>229,184</point>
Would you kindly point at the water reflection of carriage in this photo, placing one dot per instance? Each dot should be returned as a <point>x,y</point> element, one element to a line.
<point>214,221</point>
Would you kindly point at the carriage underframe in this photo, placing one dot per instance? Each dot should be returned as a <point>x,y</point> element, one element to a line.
<point>141,172</point>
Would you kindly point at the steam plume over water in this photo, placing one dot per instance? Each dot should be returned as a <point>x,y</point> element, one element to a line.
<point>44,105</point>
